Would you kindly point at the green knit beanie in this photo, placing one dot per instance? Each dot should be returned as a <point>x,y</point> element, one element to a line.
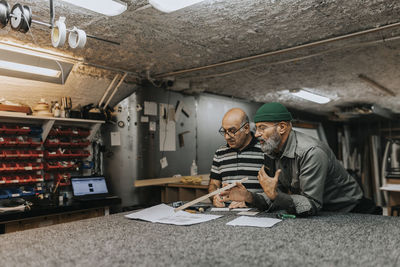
<point>273,111</point>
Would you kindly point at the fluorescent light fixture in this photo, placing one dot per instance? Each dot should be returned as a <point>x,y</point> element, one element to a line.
<point>8,65</point>
<point>105,7</point>
<point>310,96</point>
<point>168,6</point>
<point>34,64</point>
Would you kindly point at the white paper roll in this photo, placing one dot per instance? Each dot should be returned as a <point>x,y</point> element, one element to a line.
<point>59,33</point>
<point>77,38</point>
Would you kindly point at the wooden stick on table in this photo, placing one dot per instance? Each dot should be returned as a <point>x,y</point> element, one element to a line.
<point>216,192</point>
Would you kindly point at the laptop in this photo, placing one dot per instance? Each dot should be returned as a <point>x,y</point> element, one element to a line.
<point>89,188</point>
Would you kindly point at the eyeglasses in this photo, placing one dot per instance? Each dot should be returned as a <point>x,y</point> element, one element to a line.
<point>230,132</point>
<point>262,128</point>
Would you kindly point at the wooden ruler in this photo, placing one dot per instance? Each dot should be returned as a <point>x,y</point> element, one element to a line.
<point>216,192</point>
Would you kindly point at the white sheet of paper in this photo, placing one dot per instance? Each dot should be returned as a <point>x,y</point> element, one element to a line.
<point>248,213</point>
<point>150,108</point>
<point>165,214</point>
<point>253,221</point>
<point>167,129</point>
<point>164,162</point>
<point>391,187</point>
<point>152,126</point>
<point>115,139</point>
<point>144,119</point>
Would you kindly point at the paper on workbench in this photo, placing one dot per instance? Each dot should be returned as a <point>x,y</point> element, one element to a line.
<point>253,221</point>
<point>165,214</point>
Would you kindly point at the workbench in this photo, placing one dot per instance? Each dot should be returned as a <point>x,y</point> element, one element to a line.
<point>325,240</point>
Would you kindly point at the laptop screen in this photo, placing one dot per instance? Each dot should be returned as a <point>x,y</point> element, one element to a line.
<point>83,186</point>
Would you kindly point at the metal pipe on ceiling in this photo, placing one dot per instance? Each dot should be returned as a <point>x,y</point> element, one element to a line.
<point>282,51</point>
<point>199,77</point>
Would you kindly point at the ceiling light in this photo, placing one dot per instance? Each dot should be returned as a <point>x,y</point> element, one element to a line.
<point>33,64</point>
<point>310,96</point>
<point>168,6</point>
<point>28,69</point>
<point>105,7</point>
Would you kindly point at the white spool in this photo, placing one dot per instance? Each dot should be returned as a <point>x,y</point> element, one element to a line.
<point>59,33</point>
<point>77,38</point>
<point>16,19</point>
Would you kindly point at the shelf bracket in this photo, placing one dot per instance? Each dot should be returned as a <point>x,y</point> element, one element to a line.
<point>46,129</point>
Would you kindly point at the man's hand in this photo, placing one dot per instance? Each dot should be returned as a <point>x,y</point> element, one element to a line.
<point>238,193</point>
<point>235,205</point>
<point>269,184</point>
<point>217,202</point>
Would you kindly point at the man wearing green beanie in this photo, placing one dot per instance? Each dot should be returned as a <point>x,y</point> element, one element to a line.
<point>308,179</point>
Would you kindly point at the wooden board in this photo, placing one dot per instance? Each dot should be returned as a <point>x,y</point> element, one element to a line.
<point>160,181</point>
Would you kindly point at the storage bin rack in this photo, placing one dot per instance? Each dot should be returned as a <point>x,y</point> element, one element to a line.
<point>64,149</point>
<point>35,149</point>
<point>21,157</point>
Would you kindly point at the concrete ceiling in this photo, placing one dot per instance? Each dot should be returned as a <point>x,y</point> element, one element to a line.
<point>216,31</point>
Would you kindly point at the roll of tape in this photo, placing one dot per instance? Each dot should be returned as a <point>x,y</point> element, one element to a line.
<point>4,13</point>
<point>77,38</point>
<point>16,20</point>
<point>21,18</point>
<point>59,33</point>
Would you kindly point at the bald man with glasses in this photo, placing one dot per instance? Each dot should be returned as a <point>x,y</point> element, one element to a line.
<point>240,157</point>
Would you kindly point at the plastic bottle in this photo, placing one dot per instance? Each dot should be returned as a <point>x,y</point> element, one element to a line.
<point>193,169</point>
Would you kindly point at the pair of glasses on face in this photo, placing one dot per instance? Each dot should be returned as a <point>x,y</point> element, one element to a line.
<point>231,132</point>
<point>262,128</point>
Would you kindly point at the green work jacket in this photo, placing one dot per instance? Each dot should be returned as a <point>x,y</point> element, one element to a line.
<point>312,179</point>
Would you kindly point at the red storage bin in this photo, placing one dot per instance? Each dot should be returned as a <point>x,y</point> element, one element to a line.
<point>25,154</point>
<point>36,154</point>
<point>84,133</point>
<point>52,143</point>
<point>11,179</point>
<point>10,142</point>
<point>11,167</point>
<point>66,132</point>
<point>11,129</point>
<point>11,154</point>
<point>35,143</point>
<point>2,154</point>
<point>37,178</point>
<point>23,141</point>
<point>51,166</point>
<point>31,166</point>
<point>24,130</point>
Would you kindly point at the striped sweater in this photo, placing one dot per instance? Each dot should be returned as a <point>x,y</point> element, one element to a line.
<point>230,165</point>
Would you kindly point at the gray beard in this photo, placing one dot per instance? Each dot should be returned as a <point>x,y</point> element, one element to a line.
<point>270,145</point>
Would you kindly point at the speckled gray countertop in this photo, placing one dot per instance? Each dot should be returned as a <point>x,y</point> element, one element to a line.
<point>326,240</point>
